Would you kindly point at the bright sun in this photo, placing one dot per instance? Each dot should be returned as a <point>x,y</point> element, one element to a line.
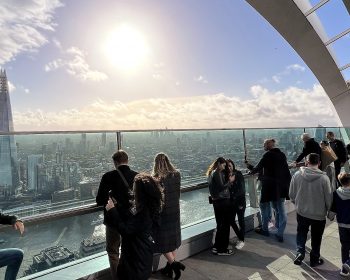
<point>126,48</point>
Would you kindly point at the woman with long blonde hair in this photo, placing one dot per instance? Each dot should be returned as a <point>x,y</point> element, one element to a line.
<point>168,236</point>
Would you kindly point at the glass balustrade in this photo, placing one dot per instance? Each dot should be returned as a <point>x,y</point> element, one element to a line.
<point>43,174</point>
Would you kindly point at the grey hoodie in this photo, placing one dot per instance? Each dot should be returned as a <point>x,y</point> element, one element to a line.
<point>310,191</point>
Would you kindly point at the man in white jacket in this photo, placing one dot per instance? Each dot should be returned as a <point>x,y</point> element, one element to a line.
<point>310,191</point>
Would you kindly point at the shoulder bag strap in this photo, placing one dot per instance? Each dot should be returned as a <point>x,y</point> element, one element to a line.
<point>123,178</point>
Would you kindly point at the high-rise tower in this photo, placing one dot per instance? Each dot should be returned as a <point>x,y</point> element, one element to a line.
<point>9,178</point>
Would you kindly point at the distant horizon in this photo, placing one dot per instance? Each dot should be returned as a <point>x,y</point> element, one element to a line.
<point>132,65</point>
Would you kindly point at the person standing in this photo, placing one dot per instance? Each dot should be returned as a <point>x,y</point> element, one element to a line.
<point>220,195</point>
<point>310,146</point>
<point>168,236</point>
<point>339,149</point>
<point>327,163</point>
<point>275,178</point>
<point>11,257</point>
<point>117,184</point>
<point>137,231</point>
<point>311,193</point>
<point>238,201</point>
<point>341,208</point>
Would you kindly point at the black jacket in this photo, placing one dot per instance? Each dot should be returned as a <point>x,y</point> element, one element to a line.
<point>237,189</point>
<point>274,175</point>
<point>338,148</point>
<point>7,219</point>
<point>310,146</point>
<point>137,246</point>
<point>217,187</point>
<point>122,193</point>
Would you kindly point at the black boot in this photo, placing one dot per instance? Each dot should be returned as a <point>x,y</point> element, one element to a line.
<point>167,270</point>
<point>177,267</point>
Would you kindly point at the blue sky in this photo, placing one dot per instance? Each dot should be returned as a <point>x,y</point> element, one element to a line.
<point>204,60</point>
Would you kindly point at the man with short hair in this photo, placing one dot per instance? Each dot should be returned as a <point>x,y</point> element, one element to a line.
<point>275,178</point>
<point>310,191</point>
<point>339,149</point>
<point>310,146</point>
<point>118,184</point>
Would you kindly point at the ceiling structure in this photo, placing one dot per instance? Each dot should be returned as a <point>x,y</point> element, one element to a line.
<point>307,29</point>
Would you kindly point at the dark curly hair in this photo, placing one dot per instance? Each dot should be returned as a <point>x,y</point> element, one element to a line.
<point>148,193</point>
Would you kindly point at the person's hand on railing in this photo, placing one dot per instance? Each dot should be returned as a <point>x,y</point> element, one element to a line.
<point>18,225</point>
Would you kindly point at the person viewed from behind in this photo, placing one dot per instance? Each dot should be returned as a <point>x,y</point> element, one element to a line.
<point>310,146</point>
<point>347,163</point>
<point>275,179</point>
<point>137,231</point>
<point>11,257</point>
<point>220,195</point>
<point>168,237</point>
<point>327,165</point>
<point>238,201</point>
<point>311,193</point>
<point>341,208</point>
<point>117,184</point>
<point>339,149</point>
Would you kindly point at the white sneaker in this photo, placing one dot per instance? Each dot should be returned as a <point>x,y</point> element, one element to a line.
<point>239,245</point>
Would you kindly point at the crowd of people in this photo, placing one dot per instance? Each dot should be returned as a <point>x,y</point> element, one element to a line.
<point>142,210</point>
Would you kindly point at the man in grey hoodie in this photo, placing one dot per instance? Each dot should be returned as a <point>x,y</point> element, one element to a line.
<point>310,191</point>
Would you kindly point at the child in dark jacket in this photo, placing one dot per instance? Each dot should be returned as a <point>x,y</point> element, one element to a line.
<point>341,208</point>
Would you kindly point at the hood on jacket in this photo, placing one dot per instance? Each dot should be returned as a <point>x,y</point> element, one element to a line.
<point>344,193</point>
<point>311,174</point>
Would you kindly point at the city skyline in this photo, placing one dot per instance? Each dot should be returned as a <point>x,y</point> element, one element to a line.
<point>219,66</point>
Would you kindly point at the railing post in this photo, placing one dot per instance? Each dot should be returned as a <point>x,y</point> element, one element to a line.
<point>119,140</point>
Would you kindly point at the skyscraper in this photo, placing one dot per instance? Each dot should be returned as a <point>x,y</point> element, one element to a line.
<point>9,178</point>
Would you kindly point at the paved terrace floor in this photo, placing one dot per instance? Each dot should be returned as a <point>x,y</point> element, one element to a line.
<point>265,258</point>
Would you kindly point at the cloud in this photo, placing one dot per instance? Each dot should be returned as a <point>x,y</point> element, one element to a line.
<point>75,65</point>
<point>200,79</point>
<point>291,107</point>
<point>23,25</point>
<point>287,71</point>
<point>12,87</point>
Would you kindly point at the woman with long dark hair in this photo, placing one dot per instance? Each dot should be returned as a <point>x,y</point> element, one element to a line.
<point>168,237</point>
<point>137,231</point>
<point>238,201</point>
<point>220,195</point>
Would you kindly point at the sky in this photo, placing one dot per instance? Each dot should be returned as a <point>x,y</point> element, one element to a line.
<point>135,64</point>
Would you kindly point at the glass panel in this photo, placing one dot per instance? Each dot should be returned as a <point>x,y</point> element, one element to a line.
<point>191,151</point>
<point>56,242</point>
<point>334,17</point>
<point>288,140</point>
<point>346,74</point>
<point>341,50</point>
<point>47,172</point>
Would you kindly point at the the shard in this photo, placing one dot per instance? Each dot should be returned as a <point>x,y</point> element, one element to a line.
<point>9,180</point>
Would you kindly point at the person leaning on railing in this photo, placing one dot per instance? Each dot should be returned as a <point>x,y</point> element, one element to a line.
<point>11,257</point>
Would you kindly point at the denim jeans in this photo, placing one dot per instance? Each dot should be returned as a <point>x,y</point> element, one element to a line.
<point>12,258</point>
<point>317,228</point>
<point>265,210</point>
<point>280,215</point>
<point>344,234</point>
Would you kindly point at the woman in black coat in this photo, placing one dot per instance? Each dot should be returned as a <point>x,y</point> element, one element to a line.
<point>238,201</point>
<point>168,236</point>
<point>137,231</point>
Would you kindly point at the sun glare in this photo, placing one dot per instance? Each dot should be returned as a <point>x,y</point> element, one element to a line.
<point>126,48</point>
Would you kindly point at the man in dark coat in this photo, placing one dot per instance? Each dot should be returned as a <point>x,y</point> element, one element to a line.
<point>275,178</point>
<point>117,184</point>
<point>310,146</point>
<point>339,149</point>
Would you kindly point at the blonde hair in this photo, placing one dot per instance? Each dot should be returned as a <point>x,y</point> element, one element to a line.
<point>162,166</point>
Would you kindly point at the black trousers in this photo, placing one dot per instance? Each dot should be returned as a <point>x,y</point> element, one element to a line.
<point>317,229</point>
<point>344,235</point>
<point>238,210</point>
<point>337,169</point>
<point>222,216</point>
